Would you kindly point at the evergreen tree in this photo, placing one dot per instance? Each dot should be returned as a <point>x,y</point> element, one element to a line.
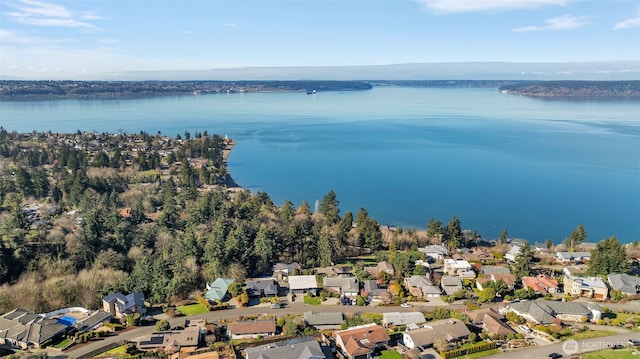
<point>524,261</point>
<point>329,208</point>
<point>609,256</point>
<point>326,248</point>
<point>577,237</point>
<point>434,228</point>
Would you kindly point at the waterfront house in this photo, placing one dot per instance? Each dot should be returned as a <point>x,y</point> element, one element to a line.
<point>572,257</point>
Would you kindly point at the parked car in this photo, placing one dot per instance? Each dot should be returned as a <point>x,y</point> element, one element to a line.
<point>524,328</point>
<point>634,342</point>
<point>555,356</point>
<point>276,306</point>
<point>406,305</point>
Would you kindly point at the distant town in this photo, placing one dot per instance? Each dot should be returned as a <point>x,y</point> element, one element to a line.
<point>38,90</point>
<point>141,245</point>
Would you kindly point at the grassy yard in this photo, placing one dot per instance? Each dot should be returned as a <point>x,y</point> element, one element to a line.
<point>390,354</point>
<point>626,353</point>
<point>192,309</point>
<point>63,343</point>
<point>481,354</point>
<point>117,351</point>
<point>623,317</point>
<point>312,300</point>
<point>591,334</point>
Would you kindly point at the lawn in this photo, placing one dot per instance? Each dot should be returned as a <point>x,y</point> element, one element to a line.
<point>63,343</point>
<point>312,300</point>
<point>627,353</point>
<point>117,351</point>
<point>481,354</point>
<point>591,334</point>
<point>390,354</point>
<point>623,317</point>
<point>192,309</point>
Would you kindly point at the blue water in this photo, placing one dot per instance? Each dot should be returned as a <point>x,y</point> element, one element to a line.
<point>535,168</point>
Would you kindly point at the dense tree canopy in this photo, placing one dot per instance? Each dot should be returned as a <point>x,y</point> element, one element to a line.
<point>609,256</point>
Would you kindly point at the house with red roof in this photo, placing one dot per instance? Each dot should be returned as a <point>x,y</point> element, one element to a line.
<point>541,284</point>
<point>360,342</point>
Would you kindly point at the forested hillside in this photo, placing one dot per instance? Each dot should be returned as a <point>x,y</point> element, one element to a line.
<point>85,214</point>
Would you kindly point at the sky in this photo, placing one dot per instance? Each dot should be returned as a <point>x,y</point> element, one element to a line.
<point>103,39</point>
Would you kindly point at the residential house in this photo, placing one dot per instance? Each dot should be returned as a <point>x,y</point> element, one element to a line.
<point>435,252</point>
<point>218,290</point>
<point>371,289</point>
<point>447,330</point>
<point>23,329</point>
<point>489,270</point>
<point>402,318</point>
<point>590,287</point>
<point>262,288</point>
<point>119,305</point>
<point>458,267</point>
<point>172,341</point>
<point>450,284</point>
<point>381,267</point>
<point>627,284</point>
<point>490,321</point>
<point>541,247</point>
<point>252,329</point>
<point>334,271</point>
<point>508,279</point>
<point>298,348</point>
<point>322,321</point>
<point>541,284</point>
<point>344,286</point>
<point>303,284</point>
<point>479,254</point>
<point>421,287</point>
<point>283,270</point>
<point>572,257</point>
<point>575,269</point>
<point>360,342</point>
<point>512,253</point>
<point>548,312</point>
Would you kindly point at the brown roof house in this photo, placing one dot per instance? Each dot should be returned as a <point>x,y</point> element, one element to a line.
<point>381,267</point>
<point>490,321</point>
<point>447,330</point>
<point>541,284</point>
<point>172,341</point>
<point>360,342</point>
<point>252,329</point>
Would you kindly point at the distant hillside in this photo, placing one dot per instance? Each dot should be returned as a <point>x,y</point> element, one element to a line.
<point>575,89</point>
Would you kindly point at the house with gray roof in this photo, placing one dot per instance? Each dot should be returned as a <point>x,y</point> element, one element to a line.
<point>262,288</point>
<point>283,270</point>
<point>572,257</point>
<point>448,330</point>
<point>421,287</point>
<point>512,253</point>
<point>627,284</point>
<point>434,252</point>
<point>298,348</point>
<point>302,284</point>
<point>371,289</point>
<point>119,305</point>
<point>23,329</point>
<point>402,318</point>
<point>344,286</point>
<point>450,284</point>
<point>489,270</point>
<point>323,321</point>
<point>548,312</point>
<point>590,287</point>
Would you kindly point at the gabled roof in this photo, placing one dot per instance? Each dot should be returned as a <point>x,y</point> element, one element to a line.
<point>489,270</point>
<point>362,339</point>
<point>346,284</point>
<point>299,348</point>
<point>253,327</point>
<point>262,287</point>
<point>218,289</point>
<point>125,302</point>
<point>544,311</point>
<point>27,327</point>
<point>492,324</point>
<point>446,329</point>
<point>404,318</point>
<point>540,283</point>
<point>302,282</point>
<point>315,318</point>
<point>625,283</point>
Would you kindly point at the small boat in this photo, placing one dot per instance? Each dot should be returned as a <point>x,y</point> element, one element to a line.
<point>311,92</point>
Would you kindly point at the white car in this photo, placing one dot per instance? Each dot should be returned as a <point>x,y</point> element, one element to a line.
<point>406,305</point>
<point>524,328</point>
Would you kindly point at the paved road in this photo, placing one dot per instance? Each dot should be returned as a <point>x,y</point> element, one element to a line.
<point>568,348</point>
<point>234,313</point>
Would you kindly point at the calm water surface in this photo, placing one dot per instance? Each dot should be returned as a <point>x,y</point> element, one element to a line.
<point>536,168</point>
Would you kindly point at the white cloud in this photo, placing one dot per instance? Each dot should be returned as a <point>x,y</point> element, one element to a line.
<point>18,38</point>
<point>565,22</point>
<point>456,6</point>
<point>39,13</point>
<point>628,23</point>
